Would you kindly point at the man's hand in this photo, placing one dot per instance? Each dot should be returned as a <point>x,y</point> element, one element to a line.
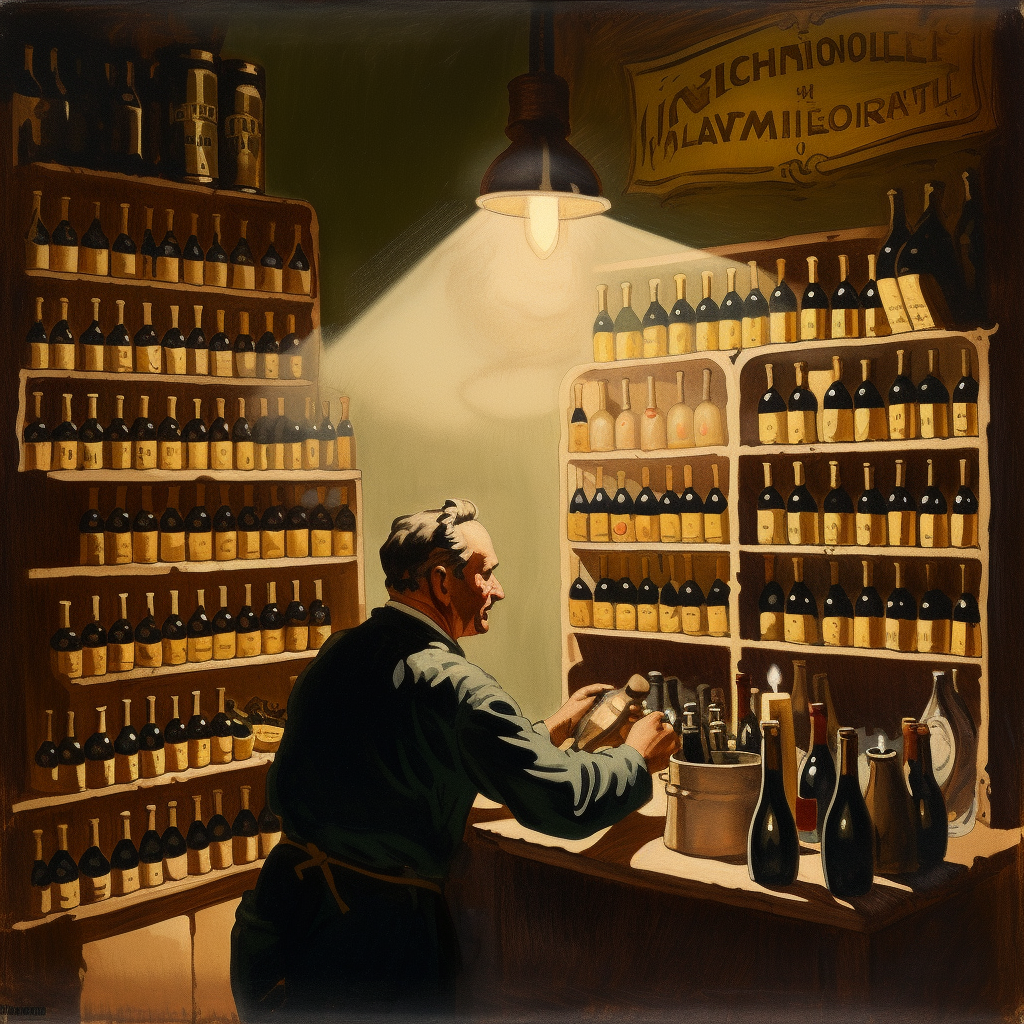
<point>562,723</point>
<point>655,740</point>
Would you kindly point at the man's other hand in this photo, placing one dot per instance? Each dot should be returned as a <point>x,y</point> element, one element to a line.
<point>655,740</point>
<point>562,723</point>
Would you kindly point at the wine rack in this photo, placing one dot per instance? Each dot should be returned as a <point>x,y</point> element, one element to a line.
<point>872,687</point>
<point>43,543</point>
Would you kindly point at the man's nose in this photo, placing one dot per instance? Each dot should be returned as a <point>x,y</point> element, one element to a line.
<point>497,593</point>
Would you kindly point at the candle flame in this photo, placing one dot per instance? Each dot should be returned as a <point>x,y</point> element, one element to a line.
<point>774,678</point>
<point>881,742</point>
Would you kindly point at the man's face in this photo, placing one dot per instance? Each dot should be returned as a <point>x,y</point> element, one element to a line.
<point>473,595</point>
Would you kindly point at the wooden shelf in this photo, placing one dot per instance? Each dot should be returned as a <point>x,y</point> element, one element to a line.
<point>141,896</point>
<point>188,667</point>
<point>920,444</point>
<point>170,286</point>
<point>163,568</point>
<point>155,476</point>
<point>164,378</point>
<point>720,451</point>
<point>654,547</point>
<point>857,652</point>
<point>257,760</point>
<point>635,634</point>
<point>854,550</point>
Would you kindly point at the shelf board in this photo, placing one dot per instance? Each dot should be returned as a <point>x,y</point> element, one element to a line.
<point>163,568</point>
<point>635,634</point>
<point>823,344</point>
<point>171,286</point>
<point>720,356</point>
<point>720,451</point>
<point>189,666</point>
<point>164,378</point>
<point>919,444</point>
<point>857,652</point>
<point>882,550</point>
<point>257,759</point>
<point>116,903</point>
<point>655,547</point>
<point>153,476</point>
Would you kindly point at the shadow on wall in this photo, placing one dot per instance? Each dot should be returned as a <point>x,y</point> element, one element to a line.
<point>454,377</point>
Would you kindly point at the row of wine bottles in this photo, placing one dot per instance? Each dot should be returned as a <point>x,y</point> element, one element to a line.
<point>671,519</point>
<point>652,430</point>
<point>122,647</point>
<point>898,520</point>
<point>61,883</point>
<point>148,753</point>
<point>281,531</point>
<point>921,411</point>
<point>648,608</point>
<point>900,623</point>
<point>270,443</point>
<point>166,262</point>
<point>266,358</point>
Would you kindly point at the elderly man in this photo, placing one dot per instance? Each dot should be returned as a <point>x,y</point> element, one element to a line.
<point>391,734</point>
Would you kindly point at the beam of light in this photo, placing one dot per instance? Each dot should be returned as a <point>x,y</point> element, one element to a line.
<point>542,224</point>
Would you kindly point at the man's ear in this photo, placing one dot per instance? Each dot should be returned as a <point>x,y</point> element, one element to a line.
<point>440,587</point>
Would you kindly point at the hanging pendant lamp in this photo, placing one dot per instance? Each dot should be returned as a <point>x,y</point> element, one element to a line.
<point>541,177</point>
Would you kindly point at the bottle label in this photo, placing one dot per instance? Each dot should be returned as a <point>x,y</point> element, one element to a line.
<point>679,428</point>
<point>95,889</point>
<point>223,646</point>
<point>38,456</point>
<point>220,455</point>
<point>245,455</point>
<point>692,527</point>
<point>295,364</point>
<point>934,420</point>
<point>198,753</point>
<point>122,264</point>
<point>245,849</point>
<point>297,543</point>
<point>813,324</point>
<point>629,344</point>
<point>716,528</point>
<point>172,547</point>
<point>800,629</point>
<point>773,427</point>
<point>933,636</point>
<point>802,427</point>
<point>310,454</point>
<point>604,347</point>
<point>965,639</point>
<point>647,618</point>
<point>175,652</point>
<point>177,761</point>
<point>151,875</point>
<point>682,338</point>
<point>220,750</point>
<point>293,456</point>
<point>900,634</point>
<point>120,657</point>
<point>837,631</point>
<point>200,547</point>
<point>249,645</point>
<point>120,455</point>
<point>599,527</point>
<point>837,528</point>
<point>625,616</point>
<point>577,526</point>
<point>273,640</point>
<point>198,455</point>
<point>245,364</point>
<point>845,323</point>
<point>93,357</point>
<point>271,280</point>
<point>149,655</point>
<point>147,359</point>
<point>718,620</point>
<point>868,631</point>
<point>69,894</point>
<point>126,768</point>
<point>807,815</point>
<point>320,543</point>
<point>755,331</point>
<point>670,620</point>
<point>94,262</point>
<point>151,763</point>
<point>272,543</point>
<point>318,636</point>
<point>248,544</point>
<point>771,626</point>
<point>965,419</point>
<point>871,529</point>
<point>655,342</point>
<point>730,334</point>
<point>144,454</point>
<point>693,621</point>
<point>648,529</point>
<point>244,277</point>
<point>167,269</point>
<point>268,363</point>
<point>902,421</point>
<point>876,324</point>
<point>892,301</point>
<point>329,453</point>
<point>963,530</point>
<point>67,455</point>
<point>223,362</point>
<point>771,526</point>
<point>580,613</point>
<point>579,437</point>
<point>197,361</point>
<point>199,648</point>
<point>346,453</point>
<point>669,528</point>
<point>622,528</point>
<point>782,328</point>
<point>117,548</point>
<point>921,317</point>
<point>120,358</point>
<point>94,661</point>
<point>296,638</point>
<point>62,357</point>
<point>144,547</point>
<point>934,530</point>
<point>90,548</point>
<point>902,529</point>
<point>869,425</point>
<point>707,337</point>
<point>169,453</point>
<point>604,615</point>
<point>174,360</point>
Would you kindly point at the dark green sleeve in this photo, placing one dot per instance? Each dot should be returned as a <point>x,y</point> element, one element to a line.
<point>569,794</point>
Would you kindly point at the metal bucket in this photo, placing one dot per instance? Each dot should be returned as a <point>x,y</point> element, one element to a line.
<point>710,805</point>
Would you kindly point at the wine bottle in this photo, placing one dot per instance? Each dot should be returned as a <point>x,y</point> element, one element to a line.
<point>682,321</point>
<point>669,507</point>
<point>169,443</point>
<point>223,630</point>
<point>329,436</point>
<point>965,400</point>
<point>196,439</point>
<point>151,854</point>
<point>581,599</point>
<point>243,264</point>
<point>646,515</point>
<point>679,422</point>
<point>290,359</point>
<point>707,315</point>
<point>94,644</point>
<point>579,426</point>
<point>346,439</point>
<point>172,531</point>
<point>37,239</point>
<point>99,754</point>
<point>691,511</point>
<point>90,439</point>
<point>270,830</point>
<point>655,326</point>
<point>748,727</point>
<point>604,329</point>
<point>94,251</point>
<point>928,270</point>
<point>817,780</point>
<point>847,850</point>
<point>932,521</point>
<point>963,520</point>
<point>771,512</point>
<point>70,761</point>
<point>199,632</point>
<point>814,310</point>
<point>731,316</point>
<point>604,597</point>
<point>42,883</point>
<point>900,617</point>
<point>63,872</point>
<point>653,430</point>
<point>965,636</point>
<point>245,832</point>
<point>803,522</point>
<point>248,636</point>
<point>837,408</point>
<point>65,438</point>
<point>38,449</point>
<point>645,606</point>
<point>145,543</point>
<point>219,832</point>
<point>837,620</point>
<point>62,342</point>
<point>221,447</point>
<point>891,813</point>
<point>272,532</point>
<point>173,843</point>
<point>125,120</point>
<point>782,309</point>
<point>771,605</point>
<point>621,523</point>
<point>773,848</point>
<point>222,355</point>
<point>174,636</point>
<point>45,764</point>
<point>969,237</point>
<point>876,323</point>
<point>902,512</point>
<point>692,747</point>
<point>199,529</point>
<point>888,286</point>
<point>268,351</point>
<point>801,617</point>
<point>147,344</point>
<point>91,341</point>
<point>297,275</point>
<point>869,419</point>
<point>245,349</point>
<point>626,432</point>
<point>287,440</point>
<point>64,242</point>
<point>599,513</point>
<point>845,304</point>
<point>197,842</point>
<point>248,530</point>
<point>148,248</point>
<point>670,618</point>
<point>151,745</point>
<point>262,438</point>
<point>607,715</point>
<point>868,613</point>
<point>772,415</point>
<point>872,514</point>
<point>173,346</point>
<point>90,532</point>
<point>930,825</point>
<point>933,400</point>
<point>27,107</point>
<point>319,618</point>
<point>955,751</point>
<point>215,269</point>
<point>197,351</point>
<point>934,617</point>
<point>802,416</point>
<point>118,349</point>
<point>121,641</point>
<point>198,731</point>
<point>224,533</point>
<point>903,409</point>
<point>838,525</point>
<point>693,606</point>
<point>707,418</point>
<point>193,258</point>
<point>718,600</point>
<point>37,341</point>
<point>576,522</point>
<point>272,623</point>
<point>126,748</point>
<point>629,337</point>
<point>296,619</point>
<point>716,512</point>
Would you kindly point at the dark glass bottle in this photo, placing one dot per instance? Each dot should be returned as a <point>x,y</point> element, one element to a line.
<point>707,311</point>
<point>930,821</point>
<point>245,831</point>
<point>847,857</point>
<point>199,734</point>
<point>269,825</point>
<point>838,509</point>
<point>174,639</point>
<point>600,505</point>
<point>933,400</point>
<point>54,116</point>
<point>217,828</point>
<point>272,623</point>
<point>172,530</point>
<point>121,641</point>
<point>817,779</point>
<point>199,529</point>
<point>199,634</point>
<point>151,737</point>
<point>196,347</point>
<point>899,232</point>
<point>148,247</point>
<point>682,320</point>
<point>168,253</point>
<point>192,255</point>
<point>241,259</point>
<point>748,730</point>
<point>37,432</point>
<point>197,840</point>
<point>837,400</point>
<point>42,902</point>
<point>773,849</point>
<point>876,323</point>
<point>64,234</point>
<point>126,747</point>
<point>772,422</point>
<point>782,308</point>
<point>272,259</point>
<point>145,531</point>
<point>769,505</point>
<point>692,602</point>
<point>867,396</point>
<point>731,312</point>
<point>837,622</point>
<point>63,872</point>
<point>247,627</point>
<point>965,400</point>
<point>70,755</point>
<point>25,96</point>
<point>845,304</point>
<point>37,339</point>
<point>151,852</point>
<point>215,272</point>
<point>91,341</point>
<point>692,747</point>
<point>604,597</point>
<point>99,754</point>
<point>969,237</point>
<point>814,310</point>
<point>173,842</point>
<point>771,603</point>
<point>800,602</point>
<point>903,399</point>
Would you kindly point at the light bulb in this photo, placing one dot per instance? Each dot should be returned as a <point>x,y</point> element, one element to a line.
<point>542,224</point>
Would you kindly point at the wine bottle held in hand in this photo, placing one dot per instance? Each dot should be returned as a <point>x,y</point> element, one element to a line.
<point>604,329</point>
<point>609,712</point>
<point>773,848</point>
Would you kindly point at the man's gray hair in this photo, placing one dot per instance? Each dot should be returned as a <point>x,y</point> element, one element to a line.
<point>422,540</point>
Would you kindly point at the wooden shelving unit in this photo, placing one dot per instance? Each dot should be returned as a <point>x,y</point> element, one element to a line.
<point>738,381</point>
